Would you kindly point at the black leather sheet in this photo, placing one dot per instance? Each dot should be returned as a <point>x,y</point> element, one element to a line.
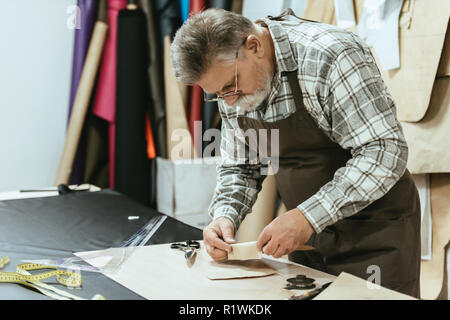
<point>55,227</point>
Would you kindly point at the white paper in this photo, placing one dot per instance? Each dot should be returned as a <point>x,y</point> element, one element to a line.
<point>52,192</point>
<point>244,251</point>
<point>379,26</point>
<point>349,287</point>
<point>345,13</point>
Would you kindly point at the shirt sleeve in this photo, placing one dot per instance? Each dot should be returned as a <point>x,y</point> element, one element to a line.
<point>239,176</point>
<point>362,119</point>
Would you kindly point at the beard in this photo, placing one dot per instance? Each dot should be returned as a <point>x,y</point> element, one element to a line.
<point>250,102</point>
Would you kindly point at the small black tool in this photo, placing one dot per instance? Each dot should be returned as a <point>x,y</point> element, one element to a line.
<point>311,294</point>
<point>64,189</point>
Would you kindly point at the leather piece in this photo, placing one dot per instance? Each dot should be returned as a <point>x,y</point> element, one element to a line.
<point>75,222</point>
<point>88,9</point>
<point>222,4</point>
<point>379,234</point>
<point>105,98</point>
<point>196,96</point>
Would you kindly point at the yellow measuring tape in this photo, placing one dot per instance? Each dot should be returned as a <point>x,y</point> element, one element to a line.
<point>22,276</point>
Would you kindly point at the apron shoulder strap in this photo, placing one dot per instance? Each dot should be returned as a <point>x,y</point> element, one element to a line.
<point>287,12</point>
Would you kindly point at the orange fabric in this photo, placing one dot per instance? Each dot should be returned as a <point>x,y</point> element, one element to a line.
<point>196,99</point>
<point>151,151</point>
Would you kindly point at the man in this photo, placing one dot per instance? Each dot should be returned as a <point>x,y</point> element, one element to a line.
<point>342,154</point>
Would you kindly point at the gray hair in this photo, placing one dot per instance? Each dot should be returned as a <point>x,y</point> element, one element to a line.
<point>214,34</point>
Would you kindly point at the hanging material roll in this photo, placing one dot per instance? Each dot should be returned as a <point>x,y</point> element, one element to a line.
<point>157,109</point>
<point>87,11</point>
<point>178,135</point>
<point>196,99</point>
<point>83,96</point>
<point>168,13</point>
<point>184,4</point>
<point>132,166</point>
<point>105,99</point>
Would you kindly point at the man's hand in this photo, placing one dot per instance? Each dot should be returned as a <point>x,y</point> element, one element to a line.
<point>285,234</point>
<point>218,236</point>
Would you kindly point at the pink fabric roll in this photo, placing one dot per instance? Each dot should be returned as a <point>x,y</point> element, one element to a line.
<point>196,100</point>
<point>105,98</point>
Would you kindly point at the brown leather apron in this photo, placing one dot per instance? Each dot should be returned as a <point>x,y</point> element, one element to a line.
<point>385,234</point>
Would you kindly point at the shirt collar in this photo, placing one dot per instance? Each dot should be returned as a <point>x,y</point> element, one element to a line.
<point>283,52</point>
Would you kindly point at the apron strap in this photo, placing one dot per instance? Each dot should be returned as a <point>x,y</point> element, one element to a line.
<point>286,12</point>
<point>296,90</point>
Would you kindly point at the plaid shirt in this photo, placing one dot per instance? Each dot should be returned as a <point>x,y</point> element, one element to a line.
<point>344,93</point>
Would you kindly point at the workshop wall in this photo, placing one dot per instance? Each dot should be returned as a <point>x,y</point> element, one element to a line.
<point>35,68</point>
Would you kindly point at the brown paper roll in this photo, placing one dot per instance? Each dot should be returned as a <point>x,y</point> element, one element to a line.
<point>262,212</point>
<point>81,102</point>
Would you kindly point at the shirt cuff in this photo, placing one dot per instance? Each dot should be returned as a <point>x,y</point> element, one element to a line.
<point>315,211</point>
<point>227,212</point>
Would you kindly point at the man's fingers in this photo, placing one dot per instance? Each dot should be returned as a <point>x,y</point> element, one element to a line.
<point>263,238</point>
<point>212,238</point>
<point>227,233</point>
<point>270,248</point>
<point>216,254</point>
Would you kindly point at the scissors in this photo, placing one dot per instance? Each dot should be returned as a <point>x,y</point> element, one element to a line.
<point>189,247</point>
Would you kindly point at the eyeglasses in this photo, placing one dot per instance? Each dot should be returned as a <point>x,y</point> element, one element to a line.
<point>229,94</point>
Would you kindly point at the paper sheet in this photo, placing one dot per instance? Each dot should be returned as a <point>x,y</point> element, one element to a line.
<point>432,273</point>
<point>422,182</point>
<point>158,272</point>
<point>379,26</point>
<point>244,251</point>
<point>429,138</point>
<point>349,287</point>
<point>345,13</point>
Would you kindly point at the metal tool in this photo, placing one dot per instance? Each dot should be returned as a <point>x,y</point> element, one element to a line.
<point>190,248</point>
<point>140,238</point>
<point>300,282</point>
<point>311,294</point>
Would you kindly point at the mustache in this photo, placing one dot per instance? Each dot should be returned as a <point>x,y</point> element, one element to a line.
<point>251,102</point>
